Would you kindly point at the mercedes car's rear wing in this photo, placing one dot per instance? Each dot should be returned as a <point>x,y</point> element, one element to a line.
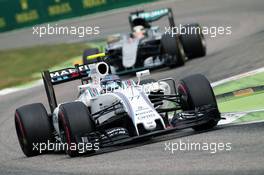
<point>152,16</point>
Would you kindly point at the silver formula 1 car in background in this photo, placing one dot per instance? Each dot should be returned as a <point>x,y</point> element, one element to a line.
<point>147,46</point>
<point>109,111</point>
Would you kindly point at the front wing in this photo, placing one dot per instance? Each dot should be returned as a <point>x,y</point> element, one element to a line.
<point>187,123</point>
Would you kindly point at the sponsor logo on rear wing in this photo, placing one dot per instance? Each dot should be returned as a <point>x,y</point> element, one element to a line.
<point>69,74</point>
<point>150,16</point>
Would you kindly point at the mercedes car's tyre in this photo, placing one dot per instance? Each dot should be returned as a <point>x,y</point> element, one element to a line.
<point>172,46</point>
<point>196,91</point>
<point>193,41</point>
<point>74,120</point>
<point>33,127</point>
<point>87,53</point>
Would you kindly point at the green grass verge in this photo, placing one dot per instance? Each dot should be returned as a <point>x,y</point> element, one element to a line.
<point>19,66</point>
<point>245,82</point>
<point>243,103</point>
<point>252,102</point>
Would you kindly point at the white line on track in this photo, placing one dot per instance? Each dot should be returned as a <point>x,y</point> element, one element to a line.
<point>236,77</point>
<point>20,88</point>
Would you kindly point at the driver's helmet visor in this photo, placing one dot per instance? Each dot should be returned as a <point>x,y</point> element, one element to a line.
<point>138,29</point>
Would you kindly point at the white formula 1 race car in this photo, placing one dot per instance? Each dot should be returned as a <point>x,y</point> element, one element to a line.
<point>110,111</point>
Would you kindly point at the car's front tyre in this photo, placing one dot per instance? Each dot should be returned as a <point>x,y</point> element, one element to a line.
<point>196,92</point>
<point>74,121</point>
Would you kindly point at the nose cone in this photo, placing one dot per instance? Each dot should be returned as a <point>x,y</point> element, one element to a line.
<point>150,125</point>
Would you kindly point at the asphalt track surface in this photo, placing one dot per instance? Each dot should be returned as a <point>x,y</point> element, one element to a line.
<point>227,55</point>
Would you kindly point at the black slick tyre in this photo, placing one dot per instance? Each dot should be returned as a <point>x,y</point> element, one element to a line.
<point>33,127</point>
<point>195,92</point>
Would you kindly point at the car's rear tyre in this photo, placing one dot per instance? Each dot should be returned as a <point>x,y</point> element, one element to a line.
<point>74,120</point>
<point>87,53</point>
<point>193,42</point>
<point>172,46</point>
<point>195,92</point>
<point>33,127</point>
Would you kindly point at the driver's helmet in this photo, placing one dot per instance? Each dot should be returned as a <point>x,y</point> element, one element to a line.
<point>140,22</point>
<point>139,27</point>
<point>110,83</point>
<point>139,32</point>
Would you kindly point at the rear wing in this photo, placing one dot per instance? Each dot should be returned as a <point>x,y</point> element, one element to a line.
<point>83,72</point>
<point>62,76</point>
<point>152,16</point>
<point>69,74</point>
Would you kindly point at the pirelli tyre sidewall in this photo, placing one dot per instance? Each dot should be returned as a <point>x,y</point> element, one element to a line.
<point>195,92</point>
<point>74,120</point>
<point>33,127</point>
<point>193,41</point>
